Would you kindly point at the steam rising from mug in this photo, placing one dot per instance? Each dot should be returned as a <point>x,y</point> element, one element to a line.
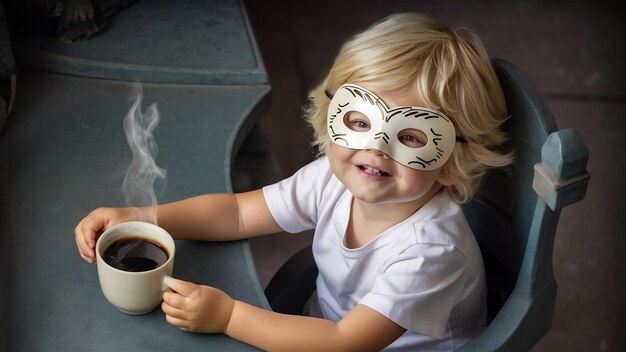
<point>138,185</point>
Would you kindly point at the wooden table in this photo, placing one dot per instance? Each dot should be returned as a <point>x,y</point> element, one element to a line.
<point>63,152</point>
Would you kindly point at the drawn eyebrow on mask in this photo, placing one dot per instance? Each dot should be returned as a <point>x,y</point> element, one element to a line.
<point>362,94</point>
<point>365,96</point>
<point>426,114</point>
<point>417,113</point>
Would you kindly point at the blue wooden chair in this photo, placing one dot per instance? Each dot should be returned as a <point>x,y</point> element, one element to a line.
<point>514,217</point>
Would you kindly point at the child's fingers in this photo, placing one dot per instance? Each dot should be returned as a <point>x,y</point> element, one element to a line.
<point>93,225</point>
<point>174,299</point>
<point>90,227</point>
<point>179,323</point>
<point>172,311</point>
<point>86,233</point>
<point>184,288</point>
<point>85,250</point>
<point>88,258</point>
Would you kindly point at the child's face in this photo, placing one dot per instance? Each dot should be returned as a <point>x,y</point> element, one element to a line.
<point>371,175</point>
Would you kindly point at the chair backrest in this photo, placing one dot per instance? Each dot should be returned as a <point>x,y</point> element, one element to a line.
<point>515,226</point>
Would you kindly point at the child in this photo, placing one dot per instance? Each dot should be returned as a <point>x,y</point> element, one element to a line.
<point>407,122</point>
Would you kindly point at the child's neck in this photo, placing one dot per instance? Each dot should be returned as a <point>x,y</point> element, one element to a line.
<point>368,220</point>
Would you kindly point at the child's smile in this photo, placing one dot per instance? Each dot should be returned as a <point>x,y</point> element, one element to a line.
<point>374,172</point>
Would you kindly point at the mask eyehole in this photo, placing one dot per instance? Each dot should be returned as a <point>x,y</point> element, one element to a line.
<point>357,121</point>
<point>412,138</point>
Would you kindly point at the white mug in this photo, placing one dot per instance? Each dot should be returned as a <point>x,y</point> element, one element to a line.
<point>141,292</point>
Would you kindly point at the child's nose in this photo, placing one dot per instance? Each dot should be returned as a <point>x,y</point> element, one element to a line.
<point>378,152</point>
<point>378,145</point>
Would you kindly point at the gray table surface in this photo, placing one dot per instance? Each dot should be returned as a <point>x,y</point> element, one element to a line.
<point>190,41</point>
<point>63,152</point>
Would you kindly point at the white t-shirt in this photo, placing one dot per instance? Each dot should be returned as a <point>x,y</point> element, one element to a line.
<point>426,273</point>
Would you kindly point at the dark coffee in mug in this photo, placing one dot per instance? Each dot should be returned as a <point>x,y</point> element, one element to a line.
<point>135,254</point>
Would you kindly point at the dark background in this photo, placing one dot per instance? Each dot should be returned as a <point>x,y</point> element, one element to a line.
<point>573,52</point>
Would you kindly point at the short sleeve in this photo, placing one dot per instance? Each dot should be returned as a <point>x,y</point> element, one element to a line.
<point>294,202</point>
<point>419,288</point>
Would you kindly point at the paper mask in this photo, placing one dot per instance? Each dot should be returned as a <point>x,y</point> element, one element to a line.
<point>386,125</point>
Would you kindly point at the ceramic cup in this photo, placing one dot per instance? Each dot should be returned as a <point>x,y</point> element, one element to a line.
<point>134,293</point>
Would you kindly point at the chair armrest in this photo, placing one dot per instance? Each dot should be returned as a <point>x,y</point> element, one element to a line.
<point>561,178</point>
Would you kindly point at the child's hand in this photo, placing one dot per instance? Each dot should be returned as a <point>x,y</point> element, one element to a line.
<point>197,308</point>
<point>93,225</point>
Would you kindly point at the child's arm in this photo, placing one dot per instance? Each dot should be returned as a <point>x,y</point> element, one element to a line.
<point>217,217</point>
<point>206,309</point>
<point>362,329</point>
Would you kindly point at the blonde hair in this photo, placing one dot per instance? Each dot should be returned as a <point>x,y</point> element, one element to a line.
<point>448,70</point>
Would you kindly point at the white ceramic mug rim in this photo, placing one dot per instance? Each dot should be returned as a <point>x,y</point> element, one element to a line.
<point>170,256</point>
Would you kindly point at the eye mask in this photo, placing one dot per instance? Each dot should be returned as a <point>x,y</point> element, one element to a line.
<point>387,125</point>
